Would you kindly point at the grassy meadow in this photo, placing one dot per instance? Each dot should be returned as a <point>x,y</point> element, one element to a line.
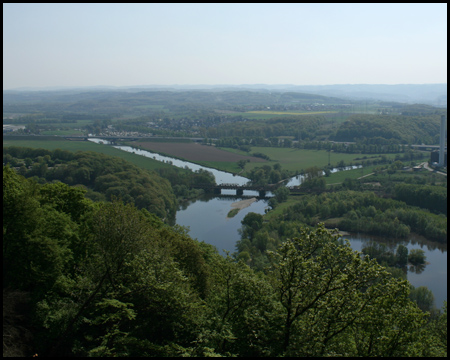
<point>63,132</point>
<point>297,159</point>
<point>231,167</point>
<point>340,176</point>
<point>266,114</point>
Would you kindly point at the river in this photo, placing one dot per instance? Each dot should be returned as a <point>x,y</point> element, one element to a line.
<point>207,221</point>
<point>221,177</point>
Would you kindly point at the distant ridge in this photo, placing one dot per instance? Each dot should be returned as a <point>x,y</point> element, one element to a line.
<point>433,94</point>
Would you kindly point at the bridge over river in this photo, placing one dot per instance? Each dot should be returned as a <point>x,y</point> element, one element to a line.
<point>217,188</point>
<point>262,189</point>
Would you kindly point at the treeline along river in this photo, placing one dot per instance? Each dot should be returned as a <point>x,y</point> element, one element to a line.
<point>206,218</point>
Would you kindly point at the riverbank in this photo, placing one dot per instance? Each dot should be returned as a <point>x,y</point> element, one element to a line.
<point>221,177</point>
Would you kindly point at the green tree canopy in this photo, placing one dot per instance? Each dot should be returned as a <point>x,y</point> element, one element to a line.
<point>330,293</point>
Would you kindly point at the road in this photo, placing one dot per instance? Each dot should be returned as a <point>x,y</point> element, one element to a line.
<point>425,166</point>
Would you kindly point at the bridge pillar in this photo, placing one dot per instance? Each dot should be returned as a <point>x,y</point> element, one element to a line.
<point>239,192</point>
<point>217,190</point>
<point>262,193</point>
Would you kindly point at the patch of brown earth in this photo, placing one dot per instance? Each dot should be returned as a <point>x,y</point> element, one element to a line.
<point>195,152</point>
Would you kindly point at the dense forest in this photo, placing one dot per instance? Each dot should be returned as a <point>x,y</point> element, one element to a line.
<point>402,129</point>
<point>85,278</point>
<point>361,128</point>
<point>105,177</point>
<point>430,197</point>
<point>389,203</point>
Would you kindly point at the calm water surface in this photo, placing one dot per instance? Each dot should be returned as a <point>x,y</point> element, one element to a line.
<point>208,222</point>
<point>434,274</point>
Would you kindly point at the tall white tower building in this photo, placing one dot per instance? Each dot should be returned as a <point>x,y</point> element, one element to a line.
<point>442,140</point>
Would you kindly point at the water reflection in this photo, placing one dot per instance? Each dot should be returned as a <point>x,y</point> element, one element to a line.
<point>417,269</point>
<point>432,274</point>
<point>208,221</point>
<point>422,242</point>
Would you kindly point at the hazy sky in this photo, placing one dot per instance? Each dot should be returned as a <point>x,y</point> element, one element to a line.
<point>302,44</point>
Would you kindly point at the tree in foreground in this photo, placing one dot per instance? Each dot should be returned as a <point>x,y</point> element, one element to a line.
<point>337,302</point>
<point>133,294</point>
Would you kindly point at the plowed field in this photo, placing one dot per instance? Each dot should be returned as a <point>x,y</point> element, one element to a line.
<point>195,152</point>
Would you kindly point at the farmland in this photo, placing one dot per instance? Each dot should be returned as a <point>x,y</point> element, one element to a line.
<point>296,159</point>
<point>270,114</point>
<point>225,158</point>
<point>195,152</point>
<point>63,132</point>
<point>290,112</point>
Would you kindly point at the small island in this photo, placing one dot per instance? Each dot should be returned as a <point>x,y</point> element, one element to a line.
<point>239,205</point>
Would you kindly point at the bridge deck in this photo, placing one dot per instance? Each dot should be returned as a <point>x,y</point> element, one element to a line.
<point>236,186</point>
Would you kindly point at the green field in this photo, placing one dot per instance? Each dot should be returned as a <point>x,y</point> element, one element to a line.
<point>293,158</point>
<point>157,107</point>
<point>298,159</point>
<point>340,176</point>
<point>231,167</point>
<point>63,132</point>
<point>265,115</point>
<point>263,112</point>
<point>141,161</point>
<point>68,125</point>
